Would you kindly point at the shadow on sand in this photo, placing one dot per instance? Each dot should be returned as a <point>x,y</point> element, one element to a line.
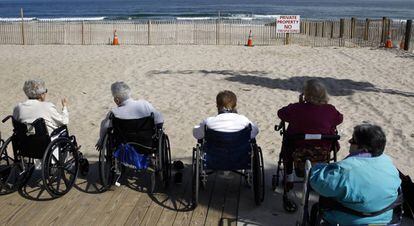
<point>335,87</point>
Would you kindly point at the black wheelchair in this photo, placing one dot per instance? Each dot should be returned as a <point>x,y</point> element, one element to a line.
<point>295,150</point>
<point>148,139</point>
<point>316,216</point>
<point>58,154</point>
<point>236,152</point>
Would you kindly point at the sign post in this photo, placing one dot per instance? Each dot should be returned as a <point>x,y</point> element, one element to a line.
<point>286,24</point>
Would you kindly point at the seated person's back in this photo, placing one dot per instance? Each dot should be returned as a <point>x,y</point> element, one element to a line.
<point>227,119</point>
<point>312,114</point>
<point>127,108</point>
<point>365,181</point>
<point>36,107</point>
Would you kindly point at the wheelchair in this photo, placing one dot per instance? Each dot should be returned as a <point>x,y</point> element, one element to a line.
<point>147,139</point>
<point>236,152</point>
<point>316,216</point>
<point>58,154</point>
<point>302,147</point>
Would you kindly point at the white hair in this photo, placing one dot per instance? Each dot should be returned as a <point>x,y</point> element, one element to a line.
<point>34,88</point>
<point>121,91</point>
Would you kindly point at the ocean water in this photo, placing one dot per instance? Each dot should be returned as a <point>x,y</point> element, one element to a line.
<point>203,9</point>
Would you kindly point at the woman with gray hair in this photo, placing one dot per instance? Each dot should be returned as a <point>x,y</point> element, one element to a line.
<point>311,115</point>
<point>37,107</point>
<point>127,108</point>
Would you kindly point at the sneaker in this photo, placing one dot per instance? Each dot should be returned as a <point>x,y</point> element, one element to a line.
<point>178,178</point>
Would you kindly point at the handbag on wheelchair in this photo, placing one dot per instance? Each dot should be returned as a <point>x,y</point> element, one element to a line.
<point>127,155</point>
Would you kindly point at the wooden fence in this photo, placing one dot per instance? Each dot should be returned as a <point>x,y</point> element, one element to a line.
<point>345,32</point>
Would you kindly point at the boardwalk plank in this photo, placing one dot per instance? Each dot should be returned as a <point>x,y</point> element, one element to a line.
<point>200,213</point>
<point>215,208</point>
<point>178,200</point>
<point>229,216</point>
<point>184,218</point>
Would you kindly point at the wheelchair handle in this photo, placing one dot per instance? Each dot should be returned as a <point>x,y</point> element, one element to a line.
<point>7,118</point>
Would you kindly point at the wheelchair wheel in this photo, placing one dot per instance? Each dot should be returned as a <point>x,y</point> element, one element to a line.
<point>106,172</point>
<point>60,164</point>
<point>258,176</point>
<point>165,160</point>
<point>195,176</point>
<point>13,175</point>
<point>6,164</point>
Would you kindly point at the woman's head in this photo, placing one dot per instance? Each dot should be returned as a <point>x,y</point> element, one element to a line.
<point>369,138</point>
<point>121,92</point>
<point>226,101</point>
<point>35,89</point>
<point>315,92</point>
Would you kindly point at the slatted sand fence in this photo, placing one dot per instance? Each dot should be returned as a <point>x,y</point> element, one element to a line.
<point>351,32</point>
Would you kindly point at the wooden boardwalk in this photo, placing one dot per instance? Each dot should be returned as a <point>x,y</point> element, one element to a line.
<point>224,201</point>
<point>128,204</point>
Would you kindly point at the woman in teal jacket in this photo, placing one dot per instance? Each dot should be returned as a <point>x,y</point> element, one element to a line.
<point>365,181</point>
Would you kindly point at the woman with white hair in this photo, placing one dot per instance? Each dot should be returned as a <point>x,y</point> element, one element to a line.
<point>311,115</point>
<point>37,107</point>
<point>127,108</point>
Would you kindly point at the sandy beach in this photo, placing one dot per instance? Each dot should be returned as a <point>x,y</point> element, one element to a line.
<point>182,81</point>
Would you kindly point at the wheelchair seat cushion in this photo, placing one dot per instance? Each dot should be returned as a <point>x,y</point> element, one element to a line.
<point>315,154</point>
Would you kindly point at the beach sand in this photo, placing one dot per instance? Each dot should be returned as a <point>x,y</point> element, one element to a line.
<point>365,84</point>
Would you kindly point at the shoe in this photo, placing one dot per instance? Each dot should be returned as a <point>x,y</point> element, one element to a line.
<point>178,178</point>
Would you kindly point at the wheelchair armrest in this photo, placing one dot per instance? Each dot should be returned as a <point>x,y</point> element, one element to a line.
<point>59,130</point>
<point>7,118</point>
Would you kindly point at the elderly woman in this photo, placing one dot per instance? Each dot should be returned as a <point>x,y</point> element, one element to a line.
<point>311,115</point>
<point>37,107</point>
<point>365,181</point>
<point>127,108</point>
<point>227,119</point>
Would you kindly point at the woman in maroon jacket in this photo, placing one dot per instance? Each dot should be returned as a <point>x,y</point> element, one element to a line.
<point>312,115</point>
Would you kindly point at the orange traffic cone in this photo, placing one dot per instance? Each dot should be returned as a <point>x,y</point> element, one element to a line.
<point>115,41</point>
<point>250,40</point>
<point>388,42</point>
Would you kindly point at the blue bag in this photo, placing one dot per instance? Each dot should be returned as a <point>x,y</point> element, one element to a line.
<point>130,157</point>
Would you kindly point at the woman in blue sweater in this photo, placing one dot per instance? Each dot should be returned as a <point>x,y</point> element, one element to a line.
<point>365,181</point>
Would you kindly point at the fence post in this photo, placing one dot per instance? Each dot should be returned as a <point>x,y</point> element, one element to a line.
<point>366,32</point>
<point>341,31</point>
<point>21,14</point>
<point>323,29</point>
<point>384,22</point>
<point>287,39</point>
<point>316,29</point>
<point>149,32</point>
<point>218,32</point>
<point>332,29</point>
<point>353,24</point>
<point>83,33</point>
<point>408,30</point>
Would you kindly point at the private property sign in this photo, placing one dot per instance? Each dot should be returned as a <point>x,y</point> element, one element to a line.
<point>288,24</point>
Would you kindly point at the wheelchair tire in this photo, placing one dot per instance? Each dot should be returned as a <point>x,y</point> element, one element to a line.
<point>165,160</point>
<point>106,172</point>
<point>6,165</point>
<point>195,182</point>
<point>60,162</point>
<point>258,176</point>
